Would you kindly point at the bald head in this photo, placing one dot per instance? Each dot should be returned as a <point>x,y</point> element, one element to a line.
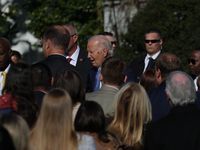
<point>5,53</point>
<point>58,36</point>
<point>181,89</point>
<point>166,63</point>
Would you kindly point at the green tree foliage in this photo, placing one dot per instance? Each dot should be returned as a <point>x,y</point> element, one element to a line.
<point>179,22</point>
<point>83,13</point>
<point>7,25</point>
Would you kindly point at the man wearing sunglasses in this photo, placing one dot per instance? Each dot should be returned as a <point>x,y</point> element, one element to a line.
<point>153,42</point>
<point>194,64</point>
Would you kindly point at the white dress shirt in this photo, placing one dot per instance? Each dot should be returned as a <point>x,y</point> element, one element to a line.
<point>74,56</point>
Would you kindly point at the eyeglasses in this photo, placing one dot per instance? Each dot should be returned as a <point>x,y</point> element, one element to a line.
<point>113,42</point>
<point>152,41</point>
<point>72,35</point>
<point>193,61</point>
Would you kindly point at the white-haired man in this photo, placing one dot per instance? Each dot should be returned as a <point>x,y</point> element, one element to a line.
<point>180,128</point>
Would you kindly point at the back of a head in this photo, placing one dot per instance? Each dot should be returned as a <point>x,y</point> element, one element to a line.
<point>54,128</point>
<point>18,130</point>
<point>72,27</point>
<point>17,55</point>
<point>71,81</point>
<point>5,140</point>
<point>132,111</point>
<point>113,71</point>
<point>19,77</point>
<point>90,118</point>
<point>41,76</point>
<point>167,63</point>
<point>58,35</point>
<point>103,42</point>
<point>181,88</point>
<point>148,79</point>
<point>56,106</point>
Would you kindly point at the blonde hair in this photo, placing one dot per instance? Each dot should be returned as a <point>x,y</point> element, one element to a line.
<point>54,128</point>
<point>132,111</point>
<point>18,130</point>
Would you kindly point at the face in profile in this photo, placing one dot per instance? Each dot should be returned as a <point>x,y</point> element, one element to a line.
<point>5,54</point>
<point>153,43</point>
<point>194,62</point>
<point>96,56</point>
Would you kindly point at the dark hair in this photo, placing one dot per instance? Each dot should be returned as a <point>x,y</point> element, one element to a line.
<point>154,31</point>
<point>19,83</point>
<point>90,118</point>
<point>41,75</point>
<point>113,71</point>
<point>148,79</point>
<point>5,140</point>
<point>168,63</point>
<point>71,81</point>
<point>106,33</point>
<point>58,35</point>
<point>17,54</point>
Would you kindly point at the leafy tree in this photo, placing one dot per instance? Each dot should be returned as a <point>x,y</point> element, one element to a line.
<point>8,15</point>
<point>177,20</point>
<point>85,14</point>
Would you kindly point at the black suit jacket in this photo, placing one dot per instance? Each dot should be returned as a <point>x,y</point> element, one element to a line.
<point>137,66</point>
<point>57,63</point>
<point>179,130</point>
<point>83,62</point>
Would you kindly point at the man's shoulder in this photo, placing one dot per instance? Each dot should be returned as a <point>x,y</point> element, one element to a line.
<point>138,59</point>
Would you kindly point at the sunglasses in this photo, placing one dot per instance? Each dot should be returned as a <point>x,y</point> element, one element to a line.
<point>114,42</point>
<point>193,61</point>
<point>152,41</point>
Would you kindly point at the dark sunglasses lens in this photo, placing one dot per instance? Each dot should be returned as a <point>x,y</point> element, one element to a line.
<point>192,61</point>
<point>152,41</point>
<point>114,43</point>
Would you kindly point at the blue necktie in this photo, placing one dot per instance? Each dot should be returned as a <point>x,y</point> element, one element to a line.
<point>149,64</point>
<point>97,80</point>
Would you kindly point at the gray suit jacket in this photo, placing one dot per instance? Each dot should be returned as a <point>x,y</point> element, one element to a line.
<point>105,97</point>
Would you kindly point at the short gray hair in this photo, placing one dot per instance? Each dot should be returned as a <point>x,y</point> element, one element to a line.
<point>74,29</point>
<point>103,42</point>
<point>181,88</point>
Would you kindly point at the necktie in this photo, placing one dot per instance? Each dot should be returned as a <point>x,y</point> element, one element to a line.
<point>149,64</point>
<point>97,80</point>
<point>69,59</point>
<point>4,78</point>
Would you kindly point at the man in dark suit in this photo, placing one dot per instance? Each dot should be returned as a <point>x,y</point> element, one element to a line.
<point>165,63</point>
<point>180,129</point>
<point>153,43</point>
<point>5,63</point>
<point>77,55</point>
<point>55,41</point>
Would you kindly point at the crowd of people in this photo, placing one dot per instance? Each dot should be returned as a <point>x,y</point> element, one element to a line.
<point>90,100</point>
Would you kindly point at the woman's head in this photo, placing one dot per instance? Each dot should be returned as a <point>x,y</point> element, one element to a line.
<point>56,107</point>
<point>71,81</point>
<point>19,79</point>
<point>132,103</point>
<point>54,128</point>
<point>132,111</point>
<point>18,130</point>
<point>90,118</point>
<point>148,79</point>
